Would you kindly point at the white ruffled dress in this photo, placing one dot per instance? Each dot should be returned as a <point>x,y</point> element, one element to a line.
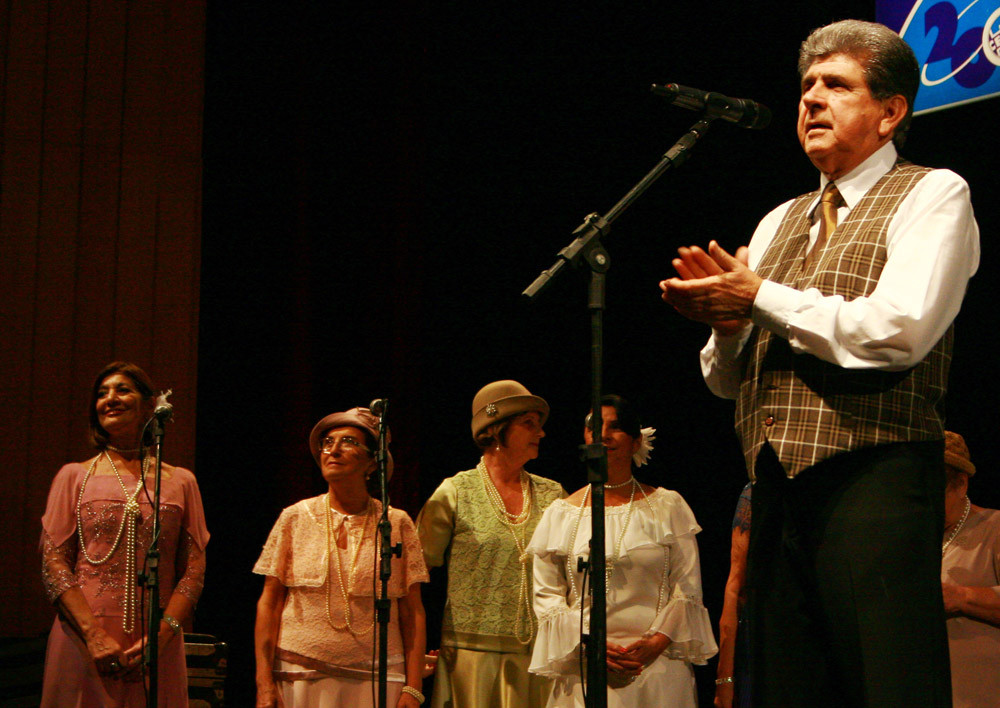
<point>657,565</point>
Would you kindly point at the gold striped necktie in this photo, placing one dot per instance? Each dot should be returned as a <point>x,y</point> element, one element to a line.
<point>828,203</point>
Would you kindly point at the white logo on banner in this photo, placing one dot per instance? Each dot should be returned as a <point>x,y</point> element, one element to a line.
<point>991,38</point>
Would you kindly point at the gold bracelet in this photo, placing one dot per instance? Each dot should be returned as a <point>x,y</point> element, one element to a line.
<point>172,623</point>
<point>724,679</point>
<point>415,693</point>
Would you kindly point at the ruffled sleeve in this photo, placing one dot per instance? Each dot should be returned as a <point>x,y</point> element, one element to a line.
<point>556,645</point>
<point>436,523</point>
<point>684,618</point>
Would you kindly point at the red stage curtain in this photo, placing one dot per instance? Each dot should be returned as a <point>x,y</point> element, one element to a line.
<point>100,229</point>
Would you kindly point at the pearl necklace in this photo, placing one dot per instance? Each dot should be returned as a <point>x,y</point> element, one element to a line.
<point>334,552</point>
<point>129,513</point>
<point>630,480</point>
<point>610,565</point>
<point>958,528</point>
<point>122,450</point>
<point>515,523</point>
<point>496,500</point>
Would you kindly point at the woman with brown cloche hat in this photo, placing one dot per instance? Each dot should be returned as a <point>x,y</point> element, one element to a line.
<point>970,582</point>
<point>479,522</point>
<point>315,629</point>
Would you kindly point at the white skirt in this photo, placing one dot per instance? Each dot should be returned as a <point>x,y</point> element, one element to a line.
<point>665,682</point>
<point>333,692</point>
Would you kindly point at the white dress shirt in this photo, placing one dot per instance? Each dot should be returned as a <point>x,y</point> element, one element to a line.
<point>932,250</point>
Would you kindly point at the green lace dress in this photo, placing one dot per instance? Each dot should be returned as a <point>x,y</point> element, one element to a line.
<point>488,627</point>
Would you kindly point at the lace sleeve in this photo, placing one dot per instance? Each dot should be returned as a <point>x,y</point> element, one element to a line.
<point>57,566</point>
<point>413,557</point>
<point>190,567</point>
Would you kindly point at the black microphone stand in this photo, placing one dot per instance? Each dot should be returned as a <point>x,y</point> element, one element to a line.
<point>587,246</point>
<point>151,579</point>
<point>383,605</point>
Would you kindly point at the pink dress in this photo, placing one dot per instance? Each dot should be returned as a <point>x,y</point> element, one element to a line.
<point>316,663</point>
<point>71,677</point>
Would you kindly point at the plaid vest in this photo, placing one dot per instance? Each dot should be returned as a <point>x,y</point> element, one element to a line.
<point>806,408</point>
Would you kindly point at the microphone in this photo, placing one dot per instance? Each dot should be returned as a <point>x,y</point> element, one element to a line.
<point>378,406</point>
<point>741,111</point>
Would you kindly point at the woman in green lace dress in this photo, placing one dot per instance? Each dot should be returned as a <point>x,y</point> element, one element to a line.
<point>478,524</point>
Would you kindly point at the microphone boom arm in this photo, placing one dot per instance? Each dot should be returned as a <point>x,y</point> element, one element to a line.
<point>587,246</point>
<point>586,243</point>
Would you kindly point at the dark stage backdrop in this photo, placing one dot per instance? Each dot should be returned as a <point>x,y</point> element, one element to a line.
<point>100,227</point>
<point>381,183</point>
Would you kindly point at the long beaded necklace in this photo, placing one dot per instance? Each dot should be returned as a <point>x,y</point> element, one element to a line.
<point>333,552</point>
<point>515,523</point>
<point>610,564</point>
<point>958,528</point>
<point>130,513</point>
<point>496,501</point>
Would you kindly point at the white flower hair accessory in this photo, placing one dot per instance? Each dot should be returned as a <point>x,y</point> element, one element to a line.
<point>641,456</point>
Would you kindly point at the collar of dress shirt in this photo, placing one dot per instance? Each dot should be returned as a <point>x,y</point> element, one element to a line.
<point>856,183</point>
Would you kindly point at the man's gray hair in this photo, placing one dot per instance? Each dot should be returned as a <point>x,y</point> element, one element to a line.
<point>889,64</point>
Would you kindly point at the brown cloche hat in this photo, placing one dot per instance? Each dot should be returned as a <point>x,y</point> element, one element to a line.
<point>502,399</point>
<point>357,417</point>
<point>956,453</point>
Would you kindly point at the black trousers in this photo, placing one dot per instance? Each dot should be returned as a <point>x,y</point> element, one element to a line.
<point>844,581</point>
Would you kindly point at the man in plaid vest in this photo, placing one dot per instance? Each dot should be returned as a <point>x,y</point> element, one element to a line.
<point>833,332</point>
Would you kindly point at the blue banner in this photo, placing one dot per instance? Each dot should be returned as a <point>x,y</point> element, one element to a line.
<point>957,44</point>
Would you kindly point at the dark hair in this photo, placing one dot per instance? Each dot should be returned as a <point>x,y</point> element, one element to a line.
<point>889,64</point>
<point>372,484</point>
<point>628,417</point>
<point>953,477</point>
<point>144,385</point>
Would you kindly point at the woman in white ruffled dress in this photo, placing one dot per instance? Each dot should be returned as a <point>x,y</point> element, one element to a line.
<point>657,625</point>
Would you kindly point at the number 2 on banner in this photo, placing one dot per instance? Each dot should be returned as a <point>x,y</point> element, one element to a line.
<point>969,66</point>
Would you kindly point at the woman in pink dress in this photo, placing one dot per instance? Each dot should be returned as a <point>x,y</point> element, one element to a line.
<point>315,631</point>
<point>95,532</point>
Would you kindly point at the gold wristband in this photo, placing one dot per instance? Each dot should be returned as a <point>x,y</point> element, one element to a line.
<point>415,693</point>
<point>172,623</point>
<point>724,679</point>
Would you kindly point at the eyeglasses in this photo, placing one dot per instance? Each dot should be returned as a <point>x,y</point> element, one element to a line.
<point>348,442</point>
